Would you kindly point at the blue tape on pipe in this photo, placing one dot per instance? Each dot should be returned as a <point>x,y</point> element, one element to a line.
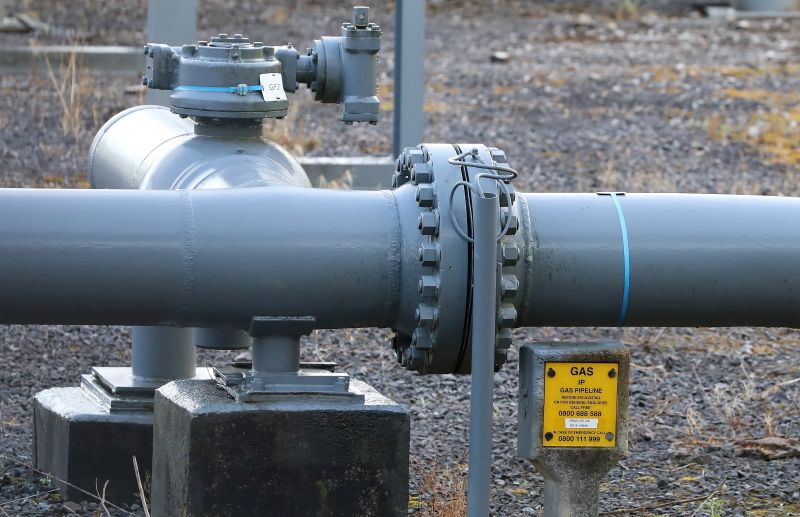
<point>626,256</point>
<point>224,89</point>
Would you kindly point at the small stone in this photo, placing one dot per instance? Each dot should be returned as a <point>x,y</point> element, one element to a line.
<point>584,20</point>
<point>500,57</point>
<point>71,506</point>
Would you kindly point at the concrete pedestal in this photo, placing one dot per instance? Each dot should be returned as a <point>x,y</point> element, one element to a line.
<point>79,441</point>
<point>309,454</point>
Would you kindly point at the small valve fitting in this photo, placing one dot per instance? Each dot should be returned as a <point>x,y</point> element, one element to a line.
<point>342,70</point>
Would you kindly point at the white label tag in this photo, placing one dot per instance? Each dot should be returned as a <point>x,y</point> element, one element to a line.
<point>580,423</point>
<point>272,87</point>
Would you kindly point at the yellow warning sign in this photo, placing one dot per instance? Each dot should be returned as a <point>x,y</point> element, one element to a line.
<point>580,405</point>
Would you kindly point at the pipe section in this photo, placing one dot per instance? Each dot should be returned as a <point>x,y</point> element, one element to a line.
<point>217,258</point>
<point>148,147</point>
<point>695,260</point>
<point>209,258</point>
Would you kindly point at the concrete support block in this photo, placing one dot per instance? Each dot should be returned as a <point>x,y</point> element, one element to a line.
<point>80,442</point>
<point>309,454</point>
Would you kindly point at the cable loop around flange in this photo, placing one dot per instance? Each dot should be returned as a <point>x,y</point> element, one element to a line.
<point>476,189</point>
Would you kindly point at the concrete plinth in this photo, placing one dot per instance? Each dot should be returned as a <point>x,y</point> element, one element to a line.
<point>319,455</point>
<point>79,441</point>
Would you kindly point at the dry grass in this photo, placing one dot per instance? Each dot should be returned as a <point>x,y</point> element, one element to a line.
<point>69,82</point>
<point>443,492</point>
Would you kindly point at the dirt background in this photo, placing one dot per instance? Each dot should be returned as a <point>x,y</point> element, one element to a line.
<point>595,96</point>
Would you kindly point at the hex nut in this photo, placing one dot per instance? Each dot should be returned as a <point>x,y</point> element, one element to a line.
<point>497,155</point>
<point>426,195</point>
<point>421,173</point>
<point>513,226</point>
<point>429,286</point>
<point>509,286</point>
<point>427,315</point>
<point>504,340</point>
<point>429,223</point>
<point>421,338</point>
<point>509,253</point>
<point>429,254</point>
<point>506,315</point>
<point>503,199</point>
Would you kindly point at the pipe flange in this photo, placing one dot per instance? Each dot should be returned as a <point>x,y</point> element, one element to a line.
<point>438,339</point>
<point>508,284</point>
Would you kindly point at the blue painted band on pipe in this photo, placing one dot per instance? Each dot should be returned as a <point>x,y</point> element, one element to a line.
<point>224,89</point>
<point>626,255</point>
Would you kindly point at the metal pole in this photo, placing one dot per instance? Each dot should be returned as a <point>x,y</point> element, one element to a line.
<point>409,74</point>
<point>483,338</point>
<point>172,22</point>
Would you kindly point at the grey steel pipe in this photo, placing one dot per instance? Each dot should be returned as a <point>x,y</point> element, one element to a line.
<point>219,257</point>
<point>148,147</point>
<point>486,222</point>
<point>198,258</point>
<point>694,260</point>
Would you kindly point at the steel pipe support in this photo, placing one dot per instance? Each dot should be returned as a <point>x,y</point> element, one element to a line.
<point>162,353</point>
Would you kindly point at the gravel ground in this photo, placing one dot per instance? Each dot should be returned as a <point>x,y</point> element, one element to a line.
<point>587,102</point>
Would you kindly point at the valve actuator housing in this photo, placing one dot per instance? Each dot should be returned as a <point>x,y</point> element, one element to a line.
<point>233,81</point>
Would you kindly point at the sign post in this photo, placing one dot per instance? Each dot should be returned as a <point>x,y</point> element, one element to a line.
<point>573,419</point>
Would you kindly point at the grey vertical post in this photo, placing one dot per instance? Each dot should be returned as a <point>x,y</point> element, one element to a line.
<point>173,22</point>
<point>483,338</point>
<point>409,74</point>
